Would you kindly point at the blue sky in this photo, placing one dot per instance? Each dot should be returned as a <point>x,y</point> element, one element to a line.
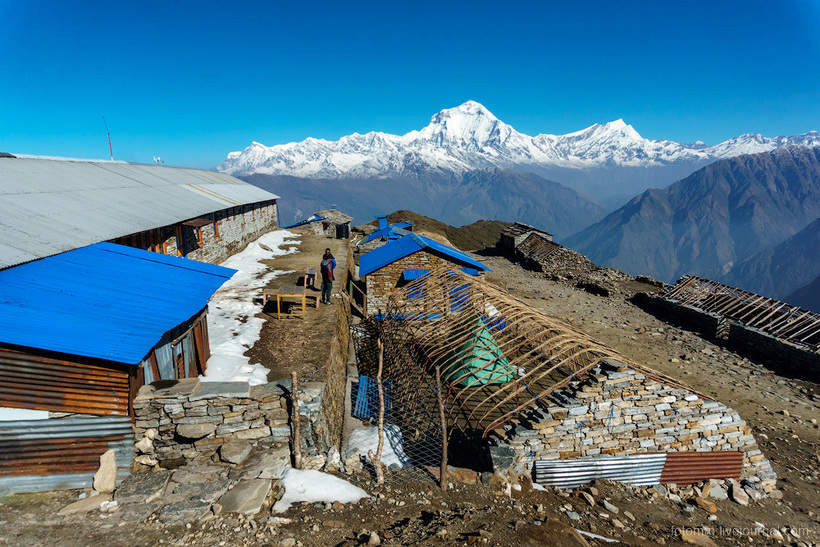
<point>192,81</point>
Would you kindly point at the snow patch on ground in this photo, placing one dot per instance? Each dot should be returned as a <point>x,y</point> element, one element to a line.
<point>393,450</point>
<point>314,486</point>
<point>232,326</point>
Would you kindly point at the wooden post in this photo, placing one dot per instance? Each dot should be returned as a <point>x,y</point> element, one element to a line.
<point>443,471</point>
<point>296,421</point>
<point>377,459</point>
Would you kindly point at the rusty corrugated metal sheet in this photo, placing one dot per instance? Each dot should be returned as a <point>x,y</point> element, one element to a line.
<point>41,455</point>
<point>36,382</point>
<point>691,467</point>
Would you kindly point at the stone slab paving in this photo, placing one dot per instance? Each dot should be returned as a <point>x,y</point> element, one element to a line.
<point>143,488</point>
<point>220,389</point>
<point>246,497</point>
<point>182,512</point>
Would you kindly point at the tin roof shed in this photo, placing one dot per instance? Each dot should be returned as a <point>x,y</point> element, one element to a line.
<point>104,301</point>
<point>49,205</point>
<point>407,245</point>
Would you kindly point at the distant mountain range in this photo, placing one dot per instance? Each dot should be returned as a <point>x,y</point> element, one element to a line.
<point>456,199</point>
<point>729,216</point>
<point>609,162</point>
<point>779,270</point>
<point>735,210</point>
<point>807,297</point>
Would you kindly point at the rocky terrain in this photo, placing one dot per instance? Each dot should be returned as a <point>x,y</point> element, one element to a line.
<point>189,505</point>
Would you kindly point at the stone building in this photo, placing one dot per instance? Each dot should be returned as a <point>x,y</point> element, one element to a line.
<point>405,259</point>
<point>92,308</point>
<point>53,205</point>
<point>514,234</point>
<point>523,389</point>
<point>330,222</point>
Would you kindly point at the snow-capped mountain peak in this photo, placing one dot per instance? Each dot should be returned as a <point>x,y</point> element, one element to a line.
<point>469,137</point>
<point>470,126</point>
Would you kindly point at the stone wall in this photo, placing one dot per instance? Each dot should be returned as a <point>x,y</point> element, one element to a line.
<point>747,340</point>
<point>618,411</point>
<point>382,282</point>
<point>234,229</point>
<point>681,314</point>
<point>762,345</point>
<point>188,421</point>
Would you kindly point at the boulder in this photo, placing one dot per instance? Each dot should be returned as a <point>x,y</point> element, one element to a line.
<point>85,505</point>
<point>738,495</point>
<point>706,505</point>
<point>183,512</point>
<point>195,431</point>
<point>235,452</point>
<point>696,538</point>
<point>263,464</point>
<point>105,479</point>
<point>205,491</point>
<point>197,473</point>
<point>246,497</point>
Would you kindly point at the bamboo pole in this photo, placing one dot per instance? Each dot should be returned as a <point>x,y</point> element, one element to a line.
<point>377,458</point>
<point>296,421</point>
<point>443,471</point>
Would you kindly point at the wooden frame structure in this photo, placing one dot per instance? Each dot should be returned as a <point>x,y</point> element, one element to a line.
<point>497,357</point>
<point>776,318</point>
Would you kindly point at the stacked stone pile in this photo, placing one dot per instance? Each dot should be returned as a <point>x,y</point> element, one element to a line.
<point>191,421</point>
<point>618,411</point>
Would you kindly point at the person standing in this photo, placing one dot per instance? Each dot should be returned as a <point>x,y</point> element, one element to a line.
<point>328,263</point>
<point>329,256</point>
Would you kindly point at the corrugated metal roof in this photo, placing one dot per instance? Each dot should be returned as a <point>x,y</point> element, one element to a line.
<point>518,228</point>
<point>410,275</point>
<point>637,470</point>
<point>48,207</point>
<point>391,232</point>
<point>105,301</point>
<point>407,245</point>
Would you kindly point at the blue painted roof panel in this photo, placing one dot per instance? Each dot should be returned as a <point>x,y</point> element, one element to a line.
<point>104,301</point>
<point>407,245</point>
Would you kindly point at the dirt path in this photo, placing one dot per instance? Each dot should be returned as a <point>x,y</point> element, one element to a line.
<point>292,343</point>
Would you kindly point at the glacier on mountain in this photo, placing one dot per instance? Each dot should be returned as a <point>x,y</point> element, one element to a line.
<point>470,137</point>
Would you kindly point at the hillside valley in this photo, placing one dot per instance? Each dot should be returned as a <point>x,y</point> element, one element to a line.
<point>713,220</point>
<point>780,270</point>
<point>456,199</point>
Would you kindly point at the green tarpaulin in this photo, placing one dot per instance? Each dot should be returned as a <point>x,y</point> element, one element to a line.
<point>478,361</point>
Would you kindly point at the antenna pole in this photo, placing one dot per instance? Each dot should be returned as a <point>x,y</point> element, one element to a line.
<point>109,138</point>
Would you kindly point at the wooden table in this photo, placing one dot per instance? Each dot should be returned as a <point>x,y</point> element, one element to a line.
<point>291,291</point>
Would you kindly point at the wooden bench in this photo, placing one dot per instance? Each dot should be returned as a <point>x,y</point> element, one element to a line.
<point>291,291</point>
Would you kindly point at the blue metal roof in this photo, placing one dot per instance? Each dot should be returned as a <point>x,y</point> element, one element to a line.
<point>407,245</point>
<point>308,220</point>
<point>105,301</point>
<point>410,275</point>
<point>391,232</point>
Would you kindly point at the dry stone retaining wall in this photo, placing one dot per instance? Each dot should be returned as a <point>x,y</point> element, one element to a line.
<point>618,411</point>
<point>189,420</point>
